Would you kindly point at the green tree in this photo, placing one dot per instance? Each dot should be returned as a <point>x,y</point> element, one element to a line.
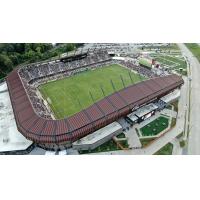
<point>5,63</point>
<point>14,59</point>
<point>12,54</point>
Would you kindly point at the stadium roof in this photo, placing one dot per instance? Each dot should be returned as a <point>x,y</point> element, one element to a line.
<point>74,53</point>
<point>98,115</point>
<point>10,138</point>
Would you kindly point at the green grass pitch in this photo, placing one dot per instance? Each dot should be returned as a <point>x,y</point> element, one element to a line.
<point>64,95</point>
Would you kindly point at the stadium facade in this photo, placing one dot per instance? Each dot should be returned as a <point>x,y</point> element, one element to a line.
<point>59,134</point>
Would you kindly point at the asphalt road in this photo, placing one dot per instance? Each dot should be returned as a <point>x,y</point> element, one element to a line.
<point>194,135</point>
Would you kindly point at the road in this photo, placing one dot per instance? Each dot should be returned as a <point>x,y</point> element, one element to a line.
<point>194,135</point>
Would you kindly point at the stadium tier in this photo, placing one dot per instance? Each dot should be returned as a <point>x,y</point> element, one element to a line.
<point>74,55</point>
<point>36,123</point>
<point>50,133</point>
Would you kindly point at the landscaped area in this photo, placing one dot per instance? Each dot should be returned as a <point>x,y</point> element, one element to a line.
<point>166,150</point>
<point>108,146</point>
<point>70,95</point>
<point>155,127</point>
<point>173,122</point>
<point>170,107</point>
<point>146,141</point>
<point>121,135</point>
<point>175,104</point>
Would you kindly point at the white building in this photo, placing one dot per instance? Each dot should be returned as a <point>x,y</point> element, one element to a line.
<point>173,96</point>
<point>146,111</point>
<point>99,137</point>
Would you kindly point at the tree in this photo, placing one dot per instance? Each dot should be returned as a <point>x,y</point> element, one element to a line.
<point>5,63</point>
<point>19,47</point>
<point>8,63</point>
<point>12,54</point>
<point>27,47</point>
<point>14,59</point>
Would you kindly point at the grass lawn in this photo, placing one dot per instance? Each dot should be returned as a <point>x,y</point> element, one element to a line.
<point>155,127</point>
<point>166,150</point>
<point>180,135</point>
<point>108,146</point>
<point>173,123</point>
<point>63,94</point>
<point>182,143</point>
<point>175,104</point>
<point>121,135</point>
<point>179,60</point>
<point>195,49</point>
<point>173,62</point>
<point>169,107</point>
<point>145,62</point>
<point>162,61</point>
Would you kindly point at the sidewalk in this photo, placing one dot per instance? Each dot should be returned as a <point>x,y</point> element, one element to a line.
<point>177,150</point>
<point>168,137</point>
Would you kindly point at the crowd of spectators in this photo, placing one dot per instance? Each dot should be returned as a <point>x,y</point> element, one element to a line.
<point>34,75</point>
<point>141,70</point>
<point>33,72</point>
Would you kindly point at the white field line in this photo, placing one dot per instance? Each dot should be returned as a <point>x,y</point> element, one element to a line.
<point>174,63</point>
<point>181,59</point>
<point>52,109</point>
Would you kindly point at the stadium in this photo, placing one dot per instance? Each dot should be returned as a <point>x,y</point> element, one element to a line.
<point>52,125</point>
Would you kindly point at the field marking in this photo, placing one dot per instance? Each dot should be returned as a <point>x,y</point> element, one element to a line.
<point>59,103</point>
<point>177,58</point>
<point>173,65</point>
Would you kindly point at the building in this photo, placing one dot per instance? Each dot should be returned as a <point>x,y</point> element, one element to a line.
<point>99,137</point>
<point>132,118</point>
<point>171,97</point>
<point>60,134</point>
<point>143,113</point>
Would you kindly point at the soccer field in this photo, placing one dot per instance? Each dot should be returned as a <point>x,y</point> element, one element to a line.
<point>70,95</point>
